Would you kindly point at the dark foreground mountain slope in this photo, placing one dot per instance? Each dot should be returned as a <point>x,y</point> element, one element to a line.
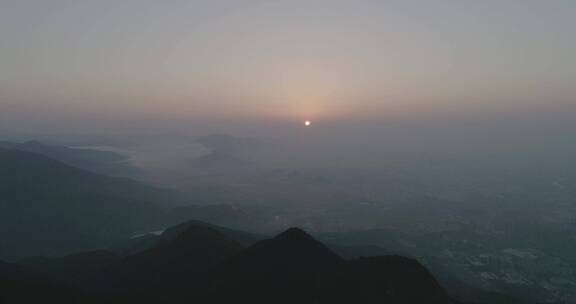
<point>287,266</point>
<point>295,268</point>
<point>384,279</point>
<point>71,268</point>
<point>20,286</point>
<point>196,263</point>
<point>173,269</point>
<point>202,264</point>
<point>180,269</point>
<point>50,208</point>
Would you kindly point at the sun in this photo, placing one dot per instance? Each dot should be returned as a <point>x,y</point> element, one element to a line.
<point>307,123</point>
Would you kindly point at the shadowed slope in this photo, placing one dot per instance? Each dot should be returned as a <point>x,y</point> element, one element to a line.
<point>20,286</point>
<point>172,270</point>
<point>50,208</point>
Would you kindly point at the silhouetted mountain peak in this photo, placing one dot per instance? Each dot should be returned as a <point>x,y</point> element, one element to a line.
<point>173,233</point>
<point>295,243</point>
<point>195,242</point>
<point>293,251</point>
<point>294,234</point>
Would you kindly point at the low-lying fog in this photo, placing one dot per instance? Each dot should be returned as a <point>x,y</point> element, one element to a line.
<point>441,155</point>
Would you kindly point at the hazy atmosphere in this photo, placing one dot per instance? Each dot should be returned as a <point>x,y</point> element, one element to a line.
<point>135,132</point>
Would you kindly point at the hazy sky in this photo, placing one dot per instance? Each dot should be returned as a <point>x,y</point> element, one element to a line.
<point>175,60</point>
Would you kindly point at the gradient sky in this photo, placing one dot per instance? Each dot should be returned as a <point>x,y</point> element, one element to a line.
<point>281,60</point>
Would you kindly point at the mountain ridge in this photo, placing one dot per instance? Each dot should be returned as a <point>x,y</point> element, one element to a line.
<point>203,264</point>
<point>51,208</point>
